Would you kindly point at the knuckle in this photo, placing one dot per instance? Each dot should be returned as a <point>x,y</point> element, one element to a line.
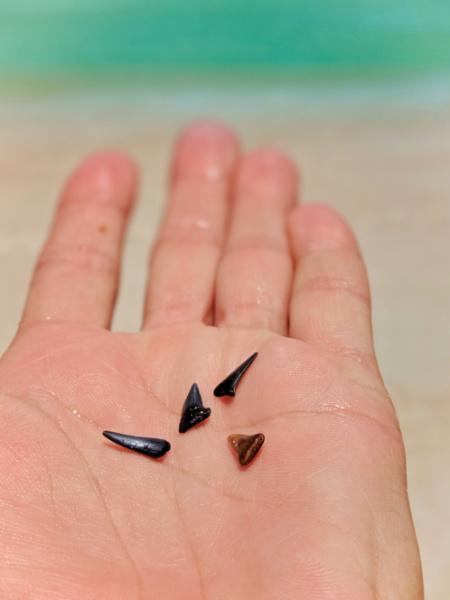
<point>185,242</point>
<point>78,258</point>
<point>364,358</point>
<point>252,313</point>
<point>337,285</point>
<point>258,244</point>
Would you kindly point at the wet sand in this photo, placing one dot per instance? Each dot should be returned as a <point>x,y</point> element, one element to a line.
<point>380,156</point>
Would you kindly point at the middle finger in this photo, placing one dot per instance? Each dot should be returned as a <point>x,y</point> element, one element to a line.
<point>185,256</point>
<point>255,273</point>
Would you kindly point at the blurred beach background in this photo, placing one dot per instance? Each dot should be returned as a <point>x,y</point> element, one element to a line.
<point>356,91</point>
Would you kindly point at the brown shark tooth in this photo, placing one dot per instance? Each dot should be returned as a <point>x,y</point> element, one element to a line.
<point>246,446</point>
<point>228,386</point>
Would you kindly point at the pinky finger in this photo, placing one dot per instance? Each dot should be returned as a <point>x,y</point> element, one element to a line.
<point>330,304</point>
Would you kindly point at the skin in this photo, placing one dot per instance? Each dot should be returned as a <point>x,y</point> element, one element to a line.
<point>321,513</point>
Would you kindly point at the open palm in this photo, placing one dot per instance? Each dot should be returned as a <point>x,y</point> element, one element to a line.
<point>321,512</point>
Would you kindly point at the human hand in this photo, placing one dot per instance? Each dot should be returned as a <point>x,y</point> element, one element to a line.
<point>321,512</point>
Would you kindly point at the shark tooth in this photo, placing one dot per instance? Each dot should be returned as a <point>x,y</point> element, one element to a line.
<point>153,447</point>
<point>228,386</point>
<point>246,446</point>
<point>193,411</point>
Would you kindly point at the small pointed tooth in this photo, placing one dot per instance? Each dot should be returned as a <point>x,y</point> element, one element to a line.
<point>228,386</point>
<point>154,447</point>
<point>246,446</point>
<point>193,411</point>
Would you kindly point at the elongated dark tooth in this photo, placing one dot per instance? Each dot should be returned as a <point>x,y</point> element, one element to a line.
<point>228,386</point>
<point>154,447</point>
<point>246,446</point>
<point>193,411</point>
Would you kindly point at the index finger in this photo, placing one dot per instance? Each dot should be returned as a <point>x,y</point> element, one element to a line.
<point>75,279</point>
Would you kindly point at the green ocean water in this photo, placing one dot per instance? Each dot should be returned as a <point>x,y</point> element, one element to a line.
<point>64,38</point>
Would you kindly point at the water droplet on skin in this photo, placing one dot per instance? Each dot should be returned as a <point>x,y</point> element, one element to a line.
<point>202,224</point>
<point>212,173</point>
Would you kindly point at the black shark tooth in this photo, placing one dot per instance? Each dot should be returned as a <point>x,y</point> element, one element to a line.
<point>153,447</point>
<point>228,386</point>
<point>193,410</point>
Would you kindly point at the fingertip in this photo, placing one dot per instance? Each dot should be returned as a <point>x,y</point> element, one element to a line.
<point>319,227</point>
<point>267,171</point>
<point>108,177</point>
<point>206,149</point>
<point>114,160</point>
